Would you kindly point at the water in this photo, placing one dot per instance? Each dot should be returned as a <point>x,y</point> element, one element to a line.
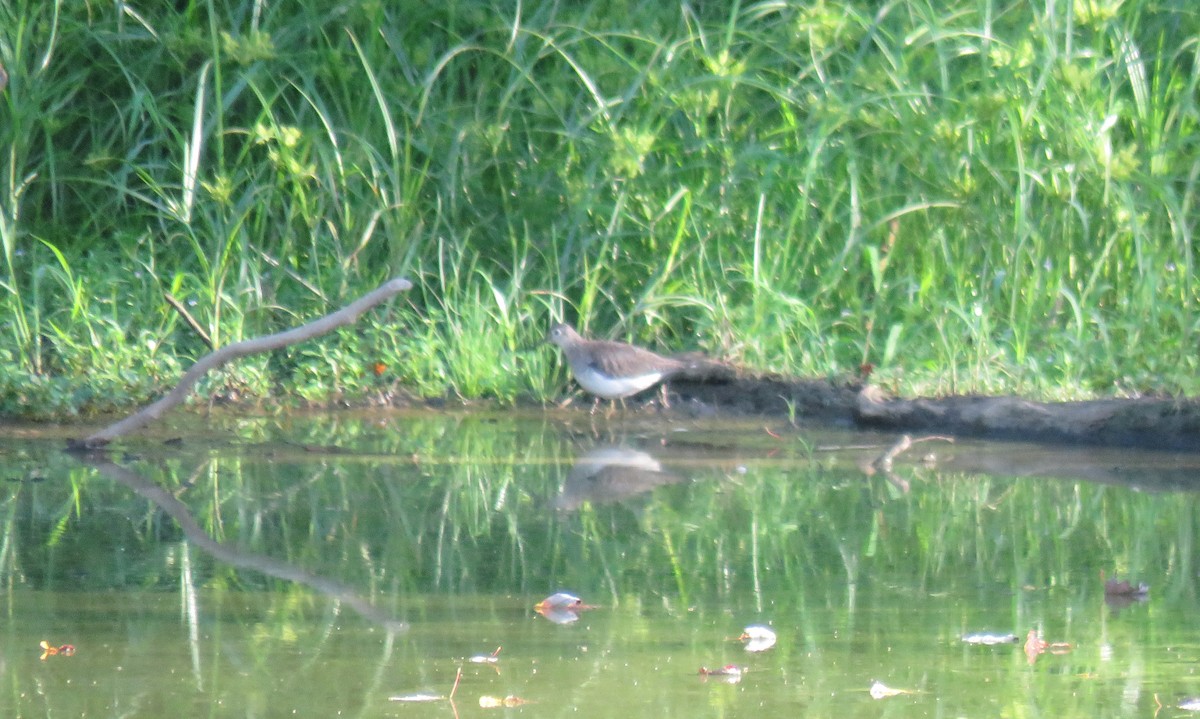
<point>354,564</point>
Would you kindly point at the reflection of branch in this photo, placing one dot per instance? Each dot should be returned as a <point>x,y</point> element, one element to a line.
<point>884,461</point>
<point>212,360</point>
<point>233,556</point>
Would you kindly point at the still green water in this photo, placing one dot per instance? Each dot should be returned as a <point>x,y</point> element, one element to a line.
<point>352,564</point>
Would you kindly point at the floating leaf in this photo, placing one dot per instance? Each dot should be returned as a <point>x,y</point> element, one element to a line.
<point>1119,593</point>
<point>561,600</point>
<point>1035,646</point>
<point>488,702</point>
<point>1122,588</point>
<point>49,650</point>
<point>730,673</point>
<point>417,698</point>
<point>989,639</point>
<point>561,607</point>
<point>758,638</point>
<point>879,690</point>
<point>486,658</point>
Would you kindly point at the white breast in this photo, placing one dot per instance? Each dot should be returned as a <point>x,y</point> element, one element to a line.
<point>607,387</point>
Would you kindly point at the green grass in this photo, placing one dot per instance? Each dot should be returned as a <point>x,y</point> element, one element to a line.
<point>972,195</point>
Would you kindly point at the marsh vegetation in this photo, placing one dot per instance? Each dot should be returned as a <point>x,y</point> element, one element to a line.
<point>969,195</point>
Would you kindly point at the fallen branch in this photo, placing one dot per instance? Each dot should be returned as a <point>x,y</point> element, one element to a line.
<point>213,360</point>
<point>187,317</point>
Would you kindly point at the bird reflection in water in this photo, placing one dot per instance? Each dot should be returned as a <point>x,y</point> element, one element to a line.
<point>612,473</point>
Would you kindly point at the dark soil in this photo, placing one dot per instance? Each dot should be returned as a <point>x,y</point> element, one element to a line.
<point>1151,423</point>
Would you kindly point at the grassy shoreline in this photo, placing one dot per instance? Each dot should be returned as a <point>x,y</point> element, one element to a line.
<point>972,196</point>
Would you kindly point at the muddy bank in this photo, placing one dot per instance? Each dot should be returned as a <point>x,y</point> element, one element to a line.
<point>1151,423</point>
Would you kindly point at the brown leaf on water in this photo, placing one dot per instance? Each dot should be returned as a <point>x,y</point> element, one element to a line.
<point>1120,593</point>
<point>561,607</point>
<point>49,650</point>
<point>562,601</point>
<point>1122,588</point>
<point>1036,646</point>
<point>730,673</point>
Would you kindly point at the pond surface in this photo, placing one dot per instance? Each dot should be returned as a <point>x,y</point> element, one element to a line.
<point>358,564</point>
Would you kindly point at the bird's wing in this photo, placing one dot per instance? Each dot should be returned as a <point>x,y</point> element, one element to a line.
<point>627,359</point>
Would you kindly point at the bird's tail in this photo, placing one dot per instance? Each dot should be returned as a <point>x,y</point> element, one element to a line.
<point>698,368</point>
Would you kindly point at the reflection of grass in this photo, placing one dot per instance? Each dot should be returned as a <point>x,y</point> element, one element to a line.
<point>466,506</point>
<point>448,523</point>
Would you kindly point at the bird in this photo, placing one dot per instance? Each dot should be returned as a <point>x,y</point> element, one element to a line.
<point>612,370</point>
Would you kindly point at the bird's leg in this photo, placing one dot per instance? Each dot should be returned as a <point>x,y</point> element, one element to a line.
<point>612,407</point>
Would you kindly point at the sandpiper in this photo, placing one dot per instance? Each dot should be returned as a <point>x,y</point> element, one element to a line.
<point>612,370</point>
